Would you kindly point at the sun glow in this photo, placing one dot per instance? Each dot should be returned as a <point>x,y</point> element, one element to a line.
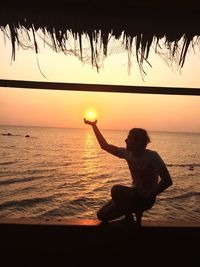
<point>90,114</point>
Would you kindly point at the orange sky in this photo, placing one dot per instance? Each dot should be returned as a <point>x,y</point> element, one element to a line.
<point>115,110</point>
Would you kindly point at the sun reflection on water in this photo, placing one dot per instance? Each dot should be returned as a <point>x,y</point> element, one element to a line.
<point>90,154</point>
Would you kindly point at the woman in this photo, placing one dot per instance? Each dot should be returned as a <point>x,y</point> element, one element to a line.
<point>149,175</point>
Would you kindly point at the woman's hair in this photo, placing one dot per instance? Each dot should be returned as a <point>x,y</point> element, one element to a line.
<point>140,136</point>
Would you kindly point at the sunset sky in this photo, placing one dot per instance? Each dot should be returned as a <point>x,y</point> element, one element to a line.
<point>114,110</point>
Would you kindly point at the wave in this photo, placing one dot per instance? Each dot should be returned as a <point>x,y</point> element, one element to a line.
<point>183,196</point>
<point>89,157</point>
<point>27,172</point>
<point>22,180</point>
<point>82,201</point>
<point>8,162</point>
<point>59,212</point>
<point>184,165</point>
<point>21,204</point>
<point>104,175</point>
<point>71,208</point>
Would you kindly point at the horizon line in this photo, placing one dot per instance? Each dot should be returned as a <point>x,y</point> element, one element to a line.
<point>107,129</point>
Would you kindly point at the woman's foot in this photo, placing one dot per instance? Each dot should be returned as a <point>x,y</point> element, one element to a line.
<point>124,222</point>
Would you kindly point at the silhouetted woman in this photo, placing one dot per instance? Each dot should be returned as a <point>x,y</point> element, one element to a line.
<point>149,175</point>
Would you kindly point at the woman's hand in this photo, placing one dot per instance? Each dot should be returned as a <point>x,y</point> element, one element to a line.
<point>92,123</point>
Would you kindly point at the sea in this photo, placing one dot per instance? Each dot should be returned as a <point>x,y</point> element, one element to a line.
<point>61,173</point>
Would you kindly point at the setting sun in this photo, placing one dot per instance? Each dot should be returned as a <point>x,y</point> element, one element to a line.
<point>90,114</point>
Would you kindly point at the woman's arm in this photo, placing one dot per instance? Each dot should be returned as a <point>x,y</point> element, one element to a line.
<point>101,140</point>
<point>165,181</point>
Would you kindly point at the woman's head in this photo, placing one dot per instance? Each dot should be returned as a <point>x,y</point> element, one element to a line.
<point>137,139</point>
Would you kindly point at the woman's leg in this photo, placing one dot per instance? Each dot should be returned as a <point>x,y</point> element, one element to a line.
<point>138,215</point>
<point>108,212</point>
<point>128,202</point>
<point>123,197</point>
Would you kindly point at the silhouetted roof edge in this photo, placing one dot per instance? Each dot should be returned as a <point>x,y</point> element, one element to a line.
<point>145,23</point>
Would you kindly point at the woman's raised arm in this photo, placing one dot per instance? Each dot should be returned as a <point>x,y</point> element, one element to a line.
<point>101,140</point>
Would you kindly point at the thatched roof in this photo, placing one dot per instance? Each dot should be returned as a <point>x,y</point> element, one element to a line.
<point>143,22</point>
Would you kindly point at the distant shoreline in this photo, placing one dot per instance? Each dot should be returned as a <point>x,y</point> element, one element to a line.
<point>84,128</point>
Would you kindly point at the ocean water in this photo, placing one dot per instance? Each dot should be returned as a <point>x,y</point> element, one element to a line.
<point>62,173</point>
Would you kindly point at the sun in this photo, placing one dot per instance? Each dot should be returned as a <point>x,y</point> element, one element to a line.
<point>90,114</point>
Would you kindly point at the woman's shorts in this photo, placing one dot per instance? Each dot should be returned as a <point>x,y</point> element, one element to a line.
<point>142,203</point>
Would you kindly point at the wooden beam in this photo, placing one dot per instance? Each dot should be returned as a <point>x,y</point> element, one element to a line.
<point>99,87</point>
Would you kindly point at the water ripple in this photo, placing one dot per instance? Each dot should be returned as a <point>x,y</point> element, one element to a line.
<point>8,162</point>
<point>23,180</point>
<point>17,204</point>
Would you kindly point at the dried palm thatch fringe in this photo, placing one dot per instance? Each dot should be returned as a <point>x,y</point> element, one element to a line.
<point>137,33</point>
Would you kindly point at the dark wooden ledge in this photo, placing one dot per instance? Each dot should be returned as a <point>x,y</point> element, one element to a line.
<point>85,240</point>
<point>93,223</point>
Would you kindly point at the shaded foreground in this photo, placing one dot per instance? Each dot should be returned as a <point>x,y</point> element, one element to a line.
<point>85,242</point>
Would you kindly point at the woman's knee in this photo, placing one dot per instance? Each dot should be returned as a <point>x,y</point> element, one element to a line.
<point>100,215</point>
<point>116,191</point>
